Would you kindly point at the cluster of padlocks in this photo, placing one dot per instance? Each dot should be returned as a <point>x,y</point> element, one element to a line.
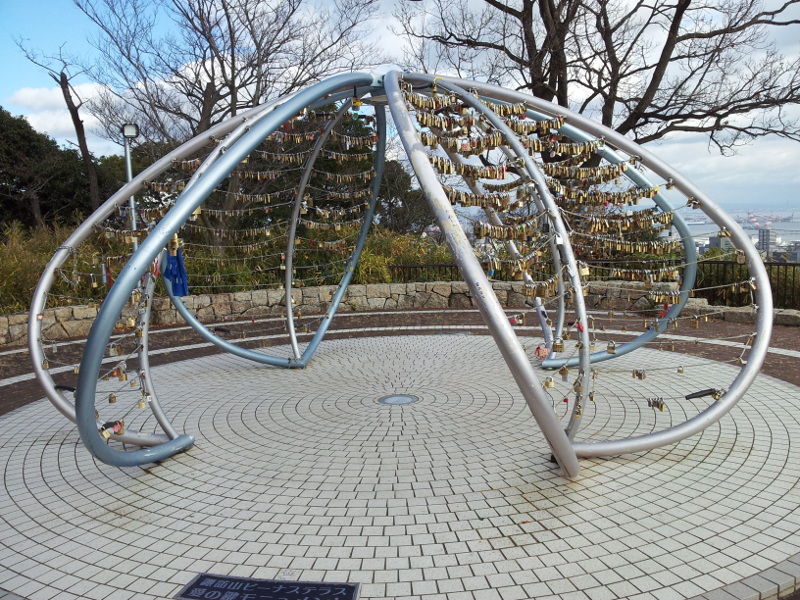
<point>283,196</point>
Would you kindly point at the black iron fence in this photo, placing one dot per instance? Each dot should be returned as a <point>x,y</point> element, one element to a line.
<point>716,279</point>
<point>424,273</point>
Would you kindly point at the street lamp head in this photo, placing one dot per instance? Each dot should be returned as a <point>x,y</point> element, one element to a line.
<point>130,130</point>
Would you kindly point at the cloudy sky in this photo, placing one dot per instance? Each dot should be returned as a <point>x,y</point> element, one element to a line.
<point>765,174</point>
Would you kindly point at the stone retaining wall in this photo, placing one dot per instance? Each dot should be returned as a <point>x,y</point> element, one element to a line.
<point>75,321</point>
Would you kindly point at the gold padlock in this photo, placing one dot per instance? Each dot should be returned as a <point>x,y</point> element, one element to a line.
<point>680,369</point>
<point>123,376</point>
<point>558,345</point>
<point>112,398</point>
<point>612,347</point>
<point>549,383</point>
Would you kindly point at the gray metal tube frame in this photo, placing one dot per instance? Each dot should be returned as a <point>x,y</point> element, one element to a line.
<point>77,237</point>
<point>151,247</point>
<point>303,360</point>
<point>564,249</point>
<point>689,273</point>
<point>298,201</point>
<point>763,296</point>
<point>482,293</point>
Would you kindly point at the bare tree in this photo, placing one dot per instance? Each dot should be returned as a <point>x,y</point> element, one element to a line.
<point>62,69</point>
<point>217,57</point>
<point>647,69</point>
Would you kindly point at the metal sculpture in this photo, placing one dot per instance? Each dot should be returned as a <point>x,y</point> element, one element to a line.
<point>468,143</point>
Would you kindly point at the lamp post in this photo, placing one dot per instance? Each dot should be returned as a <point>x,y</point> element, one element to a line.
<point>129,132</point>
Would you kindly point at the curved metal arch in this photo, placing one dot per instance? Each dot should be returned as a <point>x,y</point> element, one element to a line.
<point>148,250</point>
<point>689,274</point>
<point>63,253</point>
<point>563,250</point>
<point>493,314</point>
<point>301,360</point>
<point>758,351</point>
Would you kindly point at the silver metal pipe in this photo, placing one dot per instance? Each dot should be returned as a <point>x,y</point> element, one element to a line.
<point>482,293</point>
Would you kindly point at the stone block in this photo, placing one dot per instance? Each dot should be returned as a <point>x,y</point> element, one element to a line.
<point>20,318</point>
<point>355,290</point>
<point>405,301</point>
<point>200,301</point>
<point>220,298</point>
<point>259,297</point>
<point>436,301</point>
<point>275,297</point>
<point>378,290</point>
<point>460,301</point>
<point>54,332</point>
<point>84,312</point>
<point>76,329</point>
<point>459,287</point>
<point>358,303</point>
<point>376,303</point>
<point>397,288</point>
<point>788,317</point>
<point>222,309</point>
<point>240,307</point>
<point>62,314</point>
<point>501,285</point>
<point>310,296</point>
<point>442,289</point>
<point>3,326</point>
<point>19,332</point>
<point>242,296</point>
<point>162,303</point>
<point>391,304</point>
<point>326,293</point>
<point>743,314</point>
<point>502,296</point>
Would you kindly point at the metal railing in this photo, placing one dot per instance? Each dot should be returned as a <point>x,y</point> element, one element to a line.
<point>712,277</point>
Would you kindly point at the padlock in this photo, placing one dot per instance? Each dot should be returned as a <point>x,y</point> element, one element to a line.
<point>558,345</point>
<point>112,398</point>
<point>45,364</point>
<point>577,387</point>
<point>695,323</point>
<point>680,369</point>
<point>567,334</point>
<point>564,372</point>
<point>123,376</point>
<point>142,403</point>
<point>549,383</point>
<point>130,322</point>
<point>105,433</point>
<point>76,370</point>
<point>612,347</point>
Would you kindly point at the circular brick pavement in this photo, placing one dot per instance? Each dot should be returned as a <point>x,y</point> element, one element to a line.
<point>305,475</point>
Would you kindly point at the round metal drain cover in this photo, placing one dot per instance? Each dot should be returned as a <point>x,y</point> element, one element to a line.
<point>398,399</point>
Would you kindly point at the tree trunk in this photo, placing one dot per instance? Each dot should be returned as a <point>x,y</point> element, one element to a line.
<point>77,123</point>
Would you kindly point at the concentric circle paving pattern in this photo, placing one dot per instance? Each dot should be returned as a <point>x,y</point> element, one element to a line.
<point>304,475</point>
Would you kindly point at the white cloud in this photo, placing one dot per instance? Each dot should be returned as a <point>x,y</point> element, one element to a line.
<point>46,111</point>
<point>37,99</point>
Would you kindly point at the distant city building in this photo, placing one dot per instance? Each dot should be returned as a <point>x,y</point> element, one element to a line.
<point>723,243</point>
<point>767,239</point>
